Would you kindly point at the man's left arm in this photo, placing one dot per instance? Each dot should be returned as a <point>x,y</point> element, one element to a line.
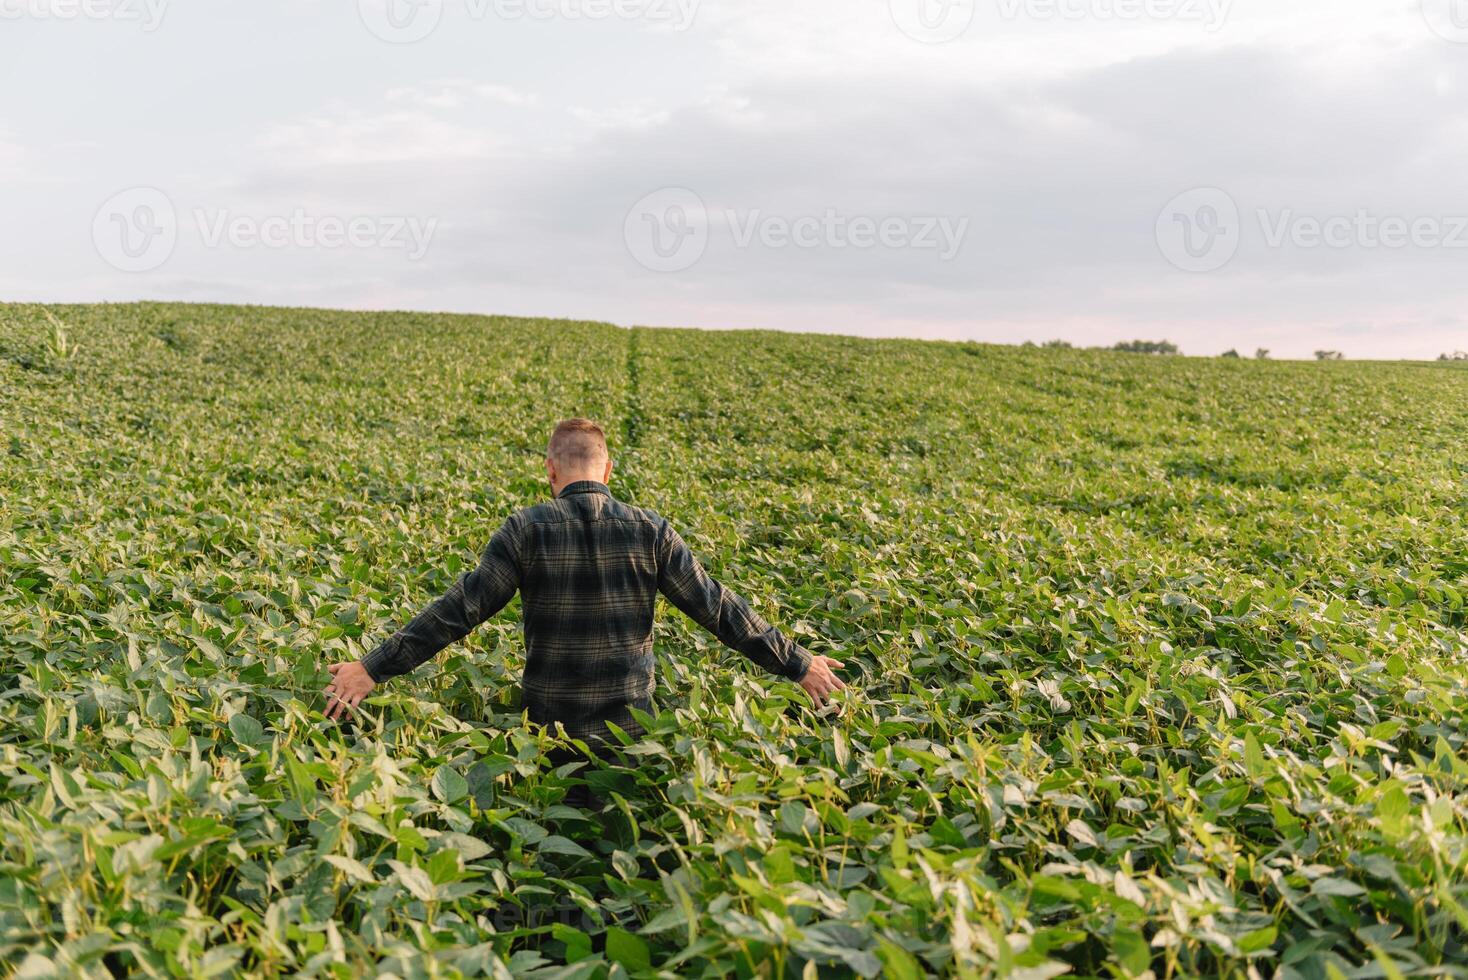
<point>729,617</point>
<point>475,597</point>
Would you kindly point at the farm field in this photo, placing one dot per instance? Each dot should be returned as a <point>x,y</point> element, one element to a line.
<point>1158,664</point>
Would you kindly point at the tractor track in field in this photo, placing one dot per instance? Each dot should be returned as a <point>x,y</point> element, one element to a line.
<point>632,422</point>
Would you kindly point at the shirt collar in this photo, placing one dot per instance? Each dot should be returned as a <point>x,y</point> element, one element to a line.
<point>584,486</point>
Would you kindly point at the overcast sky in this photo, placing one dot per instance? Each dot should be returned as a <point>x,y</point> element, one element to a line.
<point>1287,174</point>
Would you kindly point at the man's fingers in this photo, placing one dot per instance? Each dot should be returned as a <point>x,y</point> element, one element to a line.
<point>821,683</point>
<point>341,703</point>
<point>334,667</point>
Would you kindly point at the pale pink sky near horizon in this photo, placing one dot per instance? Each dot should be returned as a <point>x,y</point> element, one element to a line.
<point>1220,173</point>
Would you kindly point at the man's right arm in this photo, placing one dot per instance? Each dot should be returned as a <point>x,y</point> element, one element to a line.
<point>723,613</point>
<point>475,597</point>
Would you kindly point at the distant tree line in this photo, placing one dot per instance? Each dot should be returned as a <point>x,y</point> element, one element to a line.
<point>1147,347</point>
<point>1168,347</point>
<point>1128,346</point>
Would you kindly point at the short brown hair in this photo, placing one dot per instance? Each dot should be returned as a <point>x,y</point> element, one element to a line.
<point>577,444</point>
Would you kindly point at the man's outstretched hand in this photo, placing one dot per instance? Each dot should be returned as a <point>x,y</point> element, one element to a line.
<point>819,682</point>
<point>350,683</point>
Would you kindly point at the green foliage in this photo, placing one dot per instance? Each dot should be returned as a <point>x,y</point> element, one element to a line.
<point>1159,663</point>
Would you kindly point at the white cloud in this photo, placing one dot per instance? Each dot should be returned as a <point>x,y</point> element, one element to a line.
<point>626,116</point>
<point>355,138</point>
<point>455,93</point>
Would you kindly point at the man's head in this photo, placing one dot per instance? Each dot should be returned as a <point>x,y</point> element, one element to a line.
<point>577,451</point>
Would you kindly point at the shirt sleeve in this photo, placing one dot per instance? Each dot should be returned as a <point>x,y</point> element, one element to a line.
<point>723,613</point>
<point>475,597</point>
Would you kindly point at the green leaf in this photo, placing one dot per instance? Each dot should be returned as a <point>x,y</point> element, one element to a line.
<point>469,848</point>
<point>667,919</point>
<point>481,784</point>
<point>779,865</point>
<point>303,784</point>
<point>1082,832</point>
<point>629,950</point>
<point>448,785</point>
<point>561,845</point>
<point>840,749</point>
<point>1393,808</point>
<point>898,962</point>
<point>246,730</point>
<point>1255,764</point>
<point>1259,939</point>
<point>578,943</point>
<point>1132,951</point>
<point>1336,887</point>
<point>415,880</point>
<point>793,815</point>
<point>351,867</point>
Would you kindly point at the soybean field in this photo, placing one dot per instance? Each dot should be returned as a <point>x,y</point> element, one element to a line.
<point>1158,665</point>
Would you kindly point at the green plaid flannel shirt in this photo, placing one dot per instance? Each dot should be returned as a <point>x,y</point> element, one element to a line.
<point>588,568</point>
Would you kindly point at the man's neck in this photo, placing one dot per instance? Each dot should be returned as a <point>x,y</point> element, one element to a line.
<point>559,489</point>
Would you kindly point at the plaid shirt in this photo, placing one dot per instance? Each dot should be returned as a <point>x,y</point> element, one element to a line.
<point>588,568</point>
